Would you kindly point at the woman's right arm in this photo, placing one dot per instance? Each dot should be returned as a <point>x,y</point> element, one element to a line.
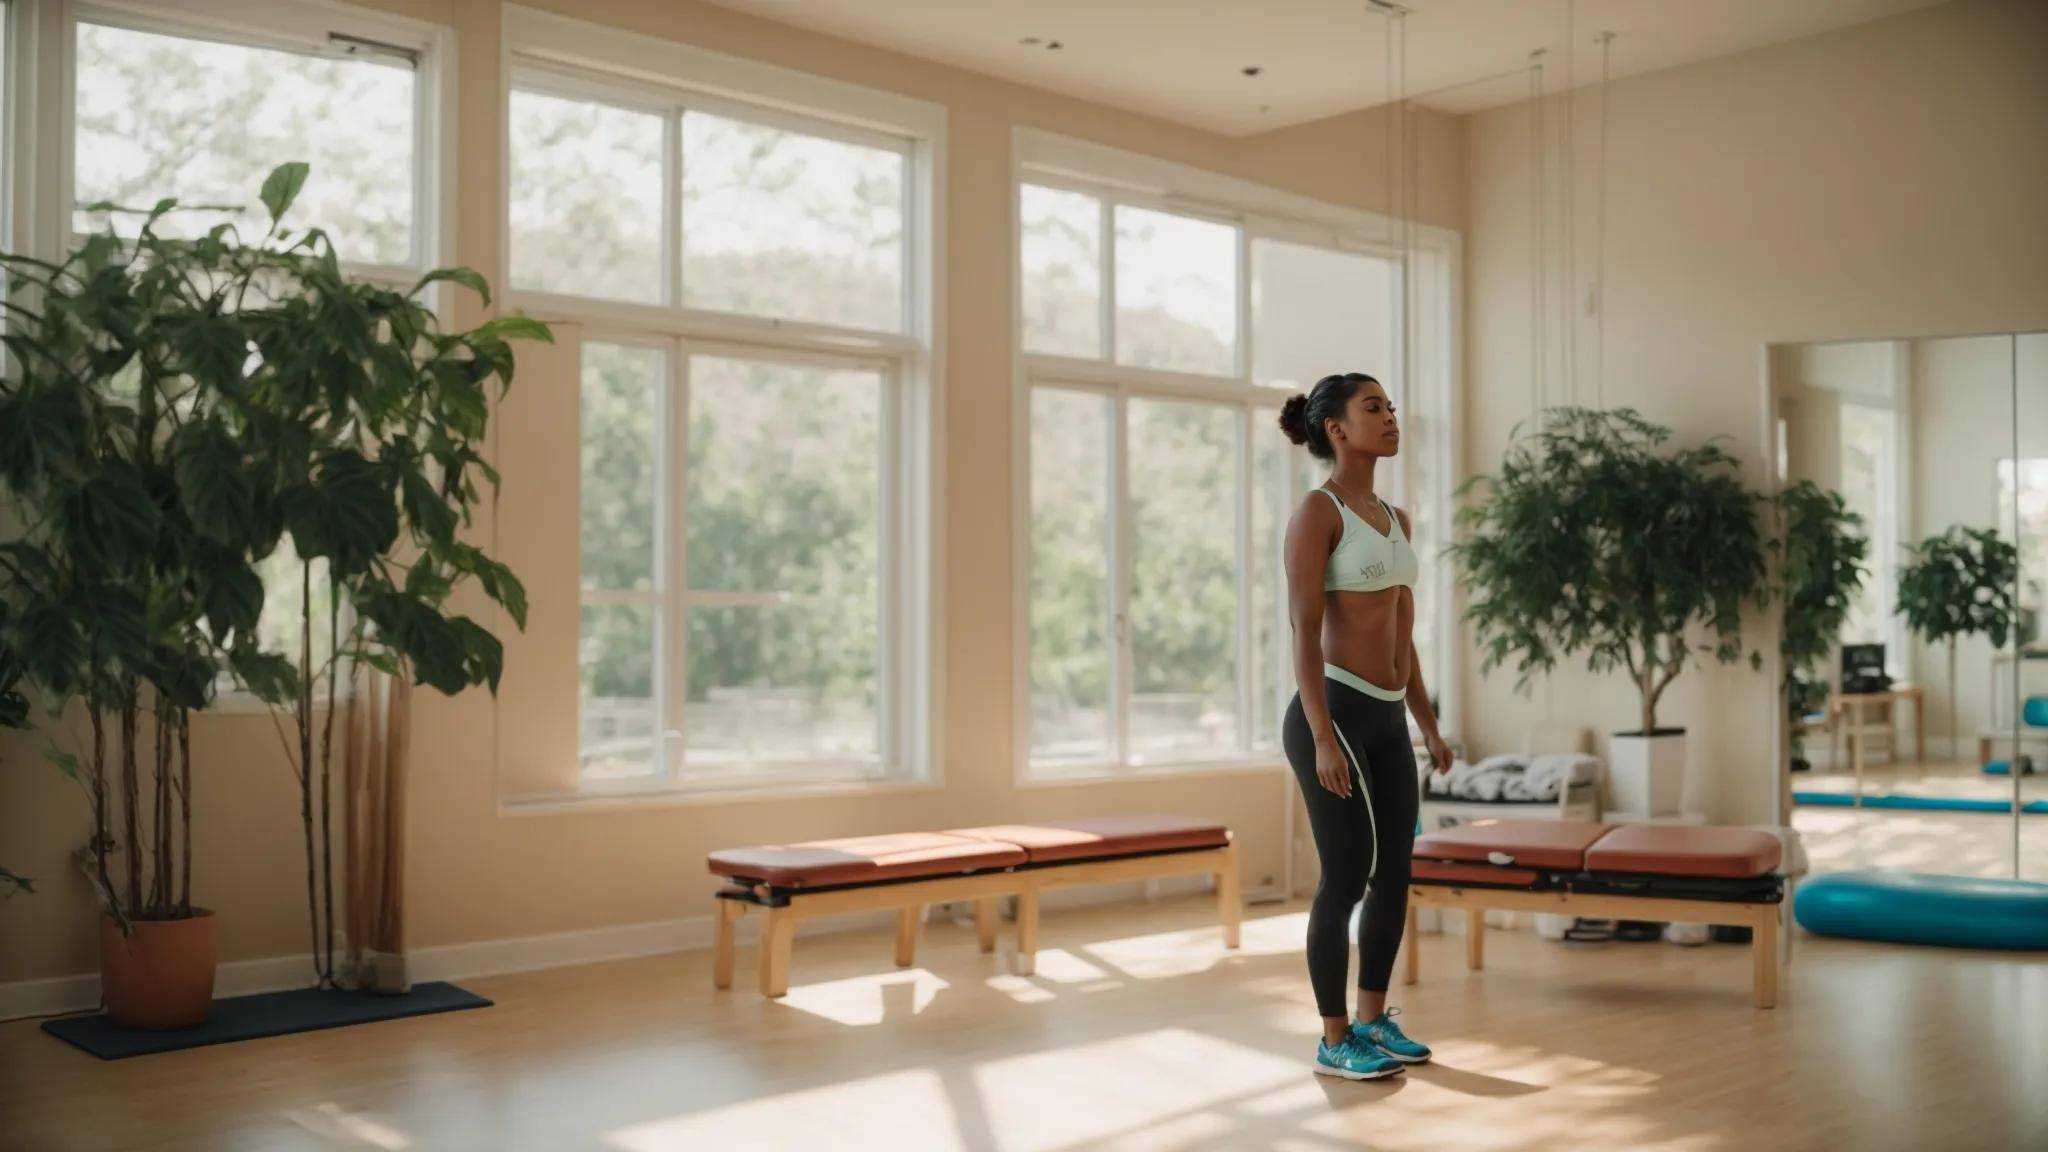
<point>1310,537</point>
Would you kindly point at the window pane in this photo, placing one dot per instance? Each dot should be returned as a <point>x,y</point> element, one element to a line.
<point>783,504</point>
<point>163,116</point>
<point>1176,292</point>
<point>281,627</point>
<point>1272,499</point>
<point>622,417</point>
<point>1070,590</point>
<point>780,686</point>
<point>586,198</point>
<point>799,227</point>
<point>1316,311</point>
<point>617,713</point>
<point>1062,256</point>
<point>1183,496</point>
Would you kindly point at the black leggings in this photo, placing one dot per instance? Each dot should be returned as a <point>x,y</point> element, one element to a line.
<point>1363,838</point>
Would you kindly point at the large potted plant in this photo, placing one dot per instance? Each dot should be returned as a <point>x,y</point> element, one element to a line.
<point>173,410</point>
<point>1960,583</point>
<point>116,604</point>
<point>361,426</point>
<point>1820,567</point>
<point>1598,537</point>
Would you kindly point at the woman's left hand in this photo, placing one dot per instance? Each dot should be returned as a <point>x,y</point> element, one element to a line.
<point>1439,753</point>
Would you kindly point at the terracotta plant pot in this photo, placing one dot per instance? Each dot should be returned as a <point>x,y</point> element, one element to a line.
<point>162,976</point>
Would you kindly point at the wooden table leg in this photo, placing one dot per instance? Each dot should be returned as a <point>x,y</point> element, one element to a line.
<point>907,920</point>
<point>1229,904</point>
<point>1856,747</point>
<point>1027,932</point>
<point>777,939</point>
<point>1475,938</point>
<point>1411,945</point>
<point>1763,950</point>
<point>1919,701</point>
<point>729,914</point>
<point>985,923</point>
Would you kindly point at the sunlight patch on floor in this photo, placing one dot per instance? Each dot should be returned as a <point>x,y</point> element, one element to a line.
<point>867,1000</point>
<point>333,1122</point>
<point>1020,989</point>
<point>813,1118</point>
<point>1121,1085</point>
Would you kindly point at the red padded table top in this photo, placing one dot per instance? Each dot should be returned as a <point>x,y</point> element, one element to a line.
<point>1102,837</point>
<point>1682,850</point>
<point>865,859</point>
<point>1573,845</point>
<point>1559,844</point>
<point>1452,872</point>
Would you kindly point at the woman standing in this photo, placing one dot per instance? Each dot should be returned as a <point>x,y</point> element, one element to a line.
<point>1350,587</point>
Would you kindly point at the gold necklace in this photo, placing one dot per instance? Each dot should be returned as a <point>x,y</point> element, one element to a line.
<point>1351,499</point>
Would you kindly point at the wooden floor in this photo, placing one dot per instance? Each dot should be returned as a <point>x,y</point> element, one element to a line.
<point>1138,1032</point>
<point>1938,778</point>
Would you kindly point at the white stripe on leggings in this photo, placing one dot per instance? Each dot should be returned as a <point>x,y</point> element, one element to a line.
<point>1359,771</point>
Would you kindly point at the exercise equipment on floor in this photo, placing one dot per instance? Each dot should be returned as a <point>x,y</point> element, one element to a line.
<point>1916,908</point>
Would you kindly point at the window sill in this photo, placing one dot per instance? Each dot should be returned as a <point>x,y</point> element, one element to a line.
<point>1106,773</point>
<point>658,793</point>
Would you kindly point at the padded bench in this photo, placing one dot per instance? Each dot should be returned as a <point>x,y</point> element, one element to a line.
<point>908,870</point>
<point>1618,871</point>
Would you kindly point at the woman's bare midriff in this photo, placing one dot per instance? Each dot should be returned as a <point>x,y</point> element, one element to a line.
<point>1366,634</point>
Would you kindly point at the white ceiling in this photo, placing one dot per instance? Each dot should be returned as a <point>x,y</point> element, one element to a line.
<point>1182,60</point>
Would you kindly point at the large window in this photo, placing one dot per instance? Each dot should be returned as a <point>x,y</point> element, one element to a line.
<point>752,591</point>
<point>200,102</point>
<point>160,115</point>
<point>724,210</point>
<point>1157,347</point>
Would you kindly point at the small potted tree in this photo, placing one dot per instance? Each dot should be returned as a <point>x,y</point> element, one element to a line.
<point>1599,538</point>
<point>1960,583</point>
<point>1820,566</point>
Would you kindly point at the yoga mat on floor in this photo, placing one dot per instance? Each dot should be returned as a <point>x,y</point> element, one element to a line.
<point>269,1014</point>
<point>1919,803</point>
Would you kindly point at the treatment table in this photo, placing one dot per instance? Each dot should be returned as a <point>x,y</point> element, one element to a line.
<point>1618,871</point>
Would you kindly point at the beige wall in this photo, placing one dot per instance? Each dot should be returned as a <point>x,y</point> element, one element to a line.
<point>476,874</point>
<point>1881,181</point>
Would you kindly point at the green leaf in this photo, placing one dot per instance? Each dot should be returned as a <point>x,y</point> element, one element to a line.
<point>349,514</point>
<point>265,675</point>
<point>112,521</point>
<point>517,326</point>
<point>467,277</point>
<point>429,514</point>
<point>214,484</point>
<point>231,595</point>
<point>282,187</point>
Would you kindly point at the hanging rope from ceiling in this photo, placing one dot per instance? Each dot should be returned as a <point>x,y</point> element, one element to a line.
<point>1606,41</point>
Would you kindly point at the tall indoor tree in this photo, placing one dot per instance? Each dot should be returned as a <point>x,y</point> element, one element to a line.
<point>1964,582</point>
<point>1821,550</point>
<point>1598,537</point>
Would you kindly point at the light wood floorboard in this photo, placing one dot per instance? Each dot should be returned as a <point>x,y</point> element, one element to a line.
<point>1138,1031</point>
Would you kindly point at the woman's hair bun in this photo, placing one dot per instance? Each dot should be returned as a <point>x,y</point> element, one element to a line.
<point>1294,418</point>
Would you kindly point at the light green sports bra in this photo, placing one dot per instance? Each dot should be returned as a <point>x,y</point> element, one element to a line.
<point>1364,559</point>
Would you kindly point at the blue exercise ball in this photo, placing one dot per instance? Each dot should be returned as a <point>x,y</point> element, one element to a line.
<point>1917,908</point>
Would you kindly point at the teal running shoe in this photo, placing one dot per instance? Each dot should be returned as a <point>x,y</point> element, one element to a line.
<point>1353,1059</point>
<point>1387,1036</point>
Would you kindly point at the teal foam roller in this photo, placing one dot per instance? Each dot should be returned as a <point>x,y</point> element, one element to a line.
<point>1918,908</point>
<point>2035,712</point>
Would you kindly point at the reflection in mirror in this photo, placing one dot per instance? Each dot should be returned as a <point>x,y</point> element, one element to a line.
<point>2024,500</point>
<point>1907,474</point>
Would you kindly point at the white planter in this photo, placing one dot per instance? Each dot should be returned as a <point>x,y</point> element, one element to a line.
<point>1646,774</point>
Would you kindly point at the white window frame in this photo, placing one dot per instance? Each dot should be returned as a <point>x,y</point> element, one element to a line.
<point>564,56</point>
<point>1118,177</point>
<point>41,134</point>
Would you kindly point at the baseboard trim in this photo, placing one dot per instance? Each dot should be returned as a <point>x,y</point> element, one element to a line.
<point>62,994</point>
